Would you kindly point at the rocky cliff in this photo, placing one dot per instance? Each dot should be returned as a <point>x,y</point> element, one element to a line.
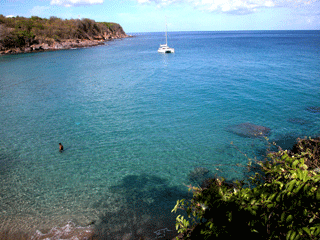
<point>20,35</point>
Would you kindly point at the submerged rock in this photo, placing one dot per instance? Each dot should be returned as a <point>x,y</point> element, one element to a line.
<point>299,121</point>
<point>286,141</point>
<point>198,175</point>
<point>313,109</point>
<point>249,130</point>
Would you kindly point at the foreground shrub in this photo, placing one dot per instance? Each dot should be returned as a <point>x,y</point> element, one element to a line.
<point>284,204</point>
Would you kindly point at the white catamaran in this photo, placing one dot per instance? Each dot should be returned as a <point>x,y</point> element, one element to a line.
<point>164,48</point>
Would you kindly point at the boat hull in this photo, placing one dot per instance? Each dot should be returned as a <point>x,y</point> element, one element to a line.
<point>165,49</point>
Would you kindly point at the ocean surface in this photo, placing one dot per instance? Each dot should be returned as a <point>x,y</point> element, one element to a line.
<point>138,126</point>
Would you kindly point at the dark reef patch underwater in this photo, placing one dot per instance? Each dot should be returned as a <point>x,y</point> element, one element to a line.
<point>313,109</point>
<point>299,121</point>
<point>249,130</point>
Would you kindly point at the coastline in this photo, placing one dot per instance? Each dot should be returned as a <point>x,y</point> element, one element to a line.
<point>63,45</point>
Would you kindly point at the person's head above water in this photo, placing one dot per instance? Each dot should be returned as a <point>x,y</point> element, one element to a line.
<point>60,147</point>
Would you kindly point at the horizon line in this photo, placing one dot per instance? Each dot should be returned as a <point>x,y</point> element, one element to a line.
<point>227,31</point>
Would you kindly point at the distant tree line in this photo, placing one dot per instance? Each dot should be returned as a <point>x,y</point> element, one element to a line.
<point>19,32</point>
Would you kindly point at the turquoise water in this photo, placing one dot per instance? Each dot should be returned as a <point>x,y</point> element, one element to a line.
<point>134,123</point>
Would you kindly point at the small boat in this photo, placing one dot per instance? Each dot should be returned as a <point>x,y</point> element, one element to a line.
<point>164,48</point>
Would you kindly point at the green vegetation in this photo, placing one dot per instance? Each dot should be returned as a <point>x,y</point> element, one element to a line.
<point>20,32</point>
<point>280,200</point>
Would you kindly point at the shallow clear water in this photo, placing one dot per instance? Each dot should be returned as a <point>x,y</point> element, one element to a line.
<point>134,123</point>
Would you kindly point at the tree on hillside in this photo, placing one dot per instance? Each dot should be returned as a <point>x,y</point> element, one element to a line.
<point>283,201</point>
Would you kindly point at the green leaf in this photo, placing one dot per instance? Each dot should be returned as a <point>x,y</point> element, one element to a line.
<point>307,230</point>
<point>299,174</point>
<point>289,218</point>
<point>255,207</point>
<point>285,157</point>
<point>305,176</point>
<point>317,232</point>
<point>289,235</point>
<point>318,194</point>
<point>291,185</point>
<point>305,212</point>
<point>270,205</point>
<point>294,164</point>
<point>296,190</point>
<point>292,236</point>
<point>307,188</point>
<point>272,196</point>
<point>177,226</point>
<point>278,198</point>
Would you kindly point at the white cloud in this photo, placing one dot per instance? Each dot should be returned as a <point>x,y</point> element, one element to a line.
<point>232,6</point>
<point>294,3</point>
<point>70,3</point>
<point>38,10</point>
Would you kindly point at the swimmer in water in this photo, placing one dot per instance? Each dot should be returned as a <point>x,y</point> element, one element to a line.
<point>60,147</point>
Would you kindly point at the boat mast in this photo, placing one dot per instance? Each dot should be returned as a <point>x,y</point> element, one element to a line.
<point>166,32</point>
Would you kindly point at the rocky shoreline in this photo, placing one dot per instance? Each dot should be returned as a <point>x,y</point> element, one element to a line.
<point>61,45</point>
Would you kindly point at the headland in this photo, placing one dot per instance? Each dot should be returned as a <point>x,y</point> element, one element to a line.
<point>35,34</point>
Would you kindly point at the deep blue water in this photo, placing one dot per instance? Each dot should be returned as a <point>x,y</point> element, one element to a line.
<point>134,123</point>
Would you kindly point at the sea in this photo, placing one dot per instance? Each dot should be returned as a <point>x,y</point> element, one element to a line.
<point>138,127</point>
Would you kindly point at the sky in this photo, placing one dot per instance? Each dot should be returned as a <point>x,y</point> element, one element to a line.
<point>181,15</point>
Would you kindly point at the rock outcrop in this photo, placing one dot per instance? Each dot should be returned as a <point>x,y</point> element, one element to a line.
<point>65,44</point>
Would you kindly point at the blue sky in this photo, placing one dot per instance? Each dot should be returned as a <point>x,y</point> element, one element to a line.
<point>182,15</point>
